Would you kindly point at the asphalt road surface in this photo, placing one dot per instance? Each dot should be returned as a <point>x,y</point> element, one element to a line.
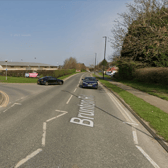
<point>66,126</point>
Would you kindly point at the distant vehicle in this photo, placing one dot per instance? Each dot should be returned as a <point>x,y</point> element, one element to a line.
<point>113,73</point>
<point>49,80</point>
<point>26,75</point>
<point>108,73</point>
<point>90,82</point>
<point>31,75</point>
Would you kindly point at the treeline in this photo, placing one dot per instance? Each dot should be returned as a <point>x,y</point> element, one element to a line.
<point>41,73</point>
<point>141,42</point>
<point>71,63</point>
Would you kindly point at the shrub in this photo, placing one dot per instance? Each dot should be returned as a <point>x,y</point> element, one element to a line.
<point>157,75</point>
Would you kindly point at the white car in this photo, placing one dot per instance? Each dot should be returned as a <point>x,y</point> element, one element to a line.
<point>112,73</point>
<point>108,73</point>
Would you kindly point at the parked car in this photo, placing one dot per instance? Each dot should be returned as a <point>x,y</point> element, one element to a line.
<point>90,82</point>
<point>108,73</point>
<point>113,72</point>
<point>49,80</point>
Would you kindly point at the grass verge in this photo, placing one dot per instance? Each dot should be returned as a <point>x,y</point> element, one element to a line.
<point>17,80</point>
<point>26,80</point>
<point>157,119</point>
<point>107,76</point>
<point>160,91</point>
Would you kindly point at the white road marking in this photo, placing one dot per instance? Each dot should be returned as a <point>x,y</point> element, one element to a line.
<point>45,125</point>
<point>119,108</point>
<point>51,119</point>
<point>44,133</point>
<point>12,106</point>
<point>123,109</point>
<point>130,123</point>
<point>18,103</point>
<point>86,112</point>
<point>118,105</point>
<point>43,141</point>
<point>135,136</point>
<point>69,99</point>
<point>75,89</point>
<point>147,156</point>
<point>61,111</point>
<point>28,157</point>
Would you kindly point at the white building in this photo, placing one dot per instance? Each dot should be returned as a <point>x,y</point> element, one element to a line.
<point>26,66</point>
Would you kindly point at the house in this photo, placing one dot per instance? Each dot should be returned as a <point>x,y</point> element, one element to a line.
<point>112,69</point>
<point>26,66</point>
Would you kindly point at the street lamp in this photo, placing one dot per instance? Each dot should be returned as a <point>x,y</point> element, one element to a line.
<point>6,68</point>
<point>104,53</point>
<point>95,63</point>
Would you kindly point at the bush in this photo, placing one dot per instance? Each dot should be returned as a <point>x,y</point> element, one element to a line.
<point>126,68</point>
<point>41,73</point>
<point>157,75</point>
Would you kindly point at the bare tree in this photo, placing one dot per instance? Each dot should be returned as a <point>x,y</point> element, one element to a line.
<point>70,63</point>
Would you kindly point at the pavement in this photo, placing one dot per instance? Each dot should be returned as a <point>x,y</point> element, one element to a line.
<point>153,100</point>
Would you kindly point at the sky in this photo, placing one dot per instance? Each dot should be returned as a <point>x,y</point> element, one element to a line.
<point>50,31</point>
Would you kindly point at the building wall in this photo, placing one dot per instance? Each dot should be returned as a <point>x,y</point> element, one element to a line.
<point>27,68</point>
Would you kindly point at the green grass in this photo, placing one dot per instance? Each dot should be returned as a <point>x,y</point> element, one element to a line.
<point>26,80</point>
<point>157,118</point>
<point>107,76</point>
<point>153,89</point>
<point>17,79</point>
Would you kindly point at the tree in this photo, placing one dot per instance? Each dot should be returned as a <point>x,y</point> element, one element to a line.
<point>143,33</point>
<point>81,66</point>
<point>103,64</point>
<point>70,63</point>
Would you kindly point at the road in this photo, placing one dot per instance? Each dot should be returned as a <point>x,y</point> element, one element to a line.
<point>66,126</point>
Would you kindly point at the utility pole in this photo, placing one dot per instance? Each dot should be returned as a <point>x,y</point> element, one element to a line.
<point>6,68</point>
<point>95,62</point>
<point>104,53</point>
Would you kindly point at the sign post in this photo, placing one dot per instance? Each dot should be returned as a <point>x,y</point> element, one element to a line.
<point>6,68</point>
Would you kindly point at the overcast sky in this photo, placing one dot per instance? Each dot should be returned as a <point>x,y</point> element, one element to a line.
<point>52,31</point>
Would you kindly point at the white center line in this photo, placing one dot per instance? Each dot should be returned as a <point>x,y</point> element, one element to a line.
<point>135,136</point>
<point>69,99</point>
<point>28,157</point>
<point>44,133</point>
<point>75,89</point>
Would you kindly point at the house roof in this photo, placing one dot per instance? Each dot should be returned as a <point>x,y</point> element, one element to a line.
<point>24,64</point>
<point>112,69</point>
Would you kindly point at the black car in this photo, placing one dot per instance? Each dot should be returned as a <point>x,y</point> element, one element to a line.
<point>49,80</point>
<point>90,82</point>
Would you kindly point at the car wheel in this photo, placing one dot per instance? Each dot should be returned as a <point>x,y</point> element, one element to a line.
<point>60,83</point>
<point>46,83</point>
